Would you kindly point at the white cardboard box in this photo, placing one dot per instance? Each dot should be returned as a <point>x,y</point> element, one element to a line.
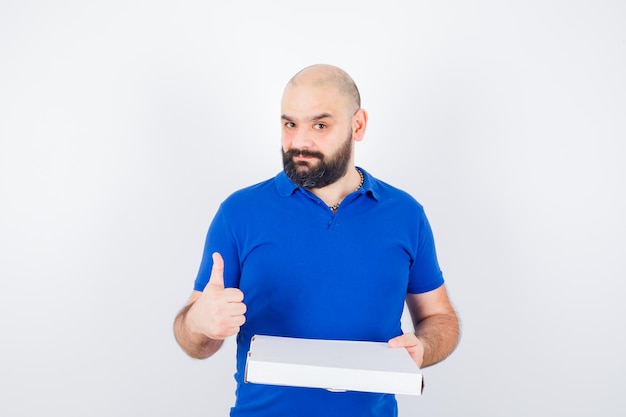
<point>335,365</point>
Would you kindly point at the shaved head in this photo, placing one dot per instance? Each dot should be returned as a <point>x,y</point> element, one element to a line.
<point>323,76</point>
<point>321,120</point>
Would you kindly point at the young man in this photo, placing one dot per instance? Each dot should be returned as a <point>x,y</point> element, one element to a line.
<point>323,250</point>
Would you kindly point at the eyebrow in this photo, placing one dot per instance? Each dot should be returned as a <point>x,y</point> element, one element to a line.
<point>315,118</point>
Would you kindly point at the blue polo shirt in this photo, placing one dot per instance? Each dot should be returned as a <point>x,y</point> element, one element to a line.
<point>307,272</point>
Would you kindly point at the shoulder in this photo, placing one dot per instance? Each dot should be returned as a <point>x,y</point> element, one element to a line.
<point>250,197</point>
<point>393,197</point>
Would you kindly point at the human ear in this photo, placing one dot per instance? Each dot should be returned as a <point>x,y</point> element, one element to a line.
<point>359,124</point>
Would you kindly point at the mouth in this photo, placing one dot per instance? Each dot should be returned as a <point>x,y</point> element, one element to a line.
<point>303,157</point>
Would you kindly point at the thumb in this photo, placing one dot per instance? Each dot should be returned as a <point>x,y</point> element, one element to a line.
<point>404,340</point>
<point>217,272</point>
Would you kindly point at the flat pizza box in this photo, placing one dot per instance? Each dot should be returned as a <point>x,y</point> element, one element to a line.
<point>335,365</point>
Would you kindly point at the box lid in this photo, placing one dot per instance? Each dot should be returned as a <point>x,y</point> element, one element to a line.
<point>336,365</point>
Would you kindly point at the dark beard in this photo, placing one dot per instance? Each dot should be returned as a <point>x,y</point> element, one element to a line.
<point>325,173</point>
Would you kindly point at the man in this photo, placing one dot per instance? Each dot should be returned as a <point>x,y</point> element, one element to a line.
<point>323,250</point>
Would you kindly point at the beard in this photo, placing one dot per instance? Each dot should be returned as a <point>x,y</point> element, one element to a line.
<point>327,171</point>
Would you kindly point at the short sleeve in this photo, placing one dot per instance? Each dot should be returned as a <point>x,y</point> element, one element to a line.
<point>220,239</point>
<point>425,274</point>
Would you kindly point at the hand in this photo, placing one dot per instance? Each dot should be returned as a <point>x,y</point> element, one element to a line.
<point>218,312</point>
<point>413,345</point>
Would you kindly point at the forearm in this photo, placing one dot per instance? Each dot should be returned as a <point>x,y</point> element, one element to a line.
<point>439,335</point>
<point>194,344</point>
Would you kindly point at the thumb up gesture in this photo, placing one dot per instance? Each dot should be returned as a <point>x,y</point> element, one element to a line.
<point>218,312</point>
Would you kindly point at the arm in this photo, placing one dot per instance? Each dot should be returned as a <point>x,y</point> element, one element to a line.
<point>210,316</point>
<point>436,327</point>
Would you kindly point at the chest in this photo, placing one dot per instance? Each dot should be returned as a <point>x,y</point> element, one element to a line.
<point>335,276</point>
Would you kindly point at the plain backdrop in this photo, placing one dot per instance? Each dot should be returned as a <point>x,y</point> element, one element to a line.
<point>124,124</point>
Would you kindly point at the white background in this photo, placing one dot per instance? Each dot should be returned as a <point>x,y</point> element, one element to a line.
<point>123,125</point>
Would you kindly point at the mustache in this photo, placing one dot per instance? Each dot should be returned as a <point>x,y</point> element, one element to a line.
<point>304,152</point>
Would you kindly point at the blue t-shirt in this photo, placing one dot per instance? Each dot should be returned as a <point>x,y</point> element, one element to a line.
<point>307,272</point>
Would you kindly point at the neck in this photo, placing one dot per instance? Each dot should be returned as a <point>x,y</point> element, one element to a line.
<point>333,194</point>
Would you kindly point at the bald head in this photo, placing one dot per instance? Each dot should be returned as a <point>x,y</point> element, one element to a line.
<point>328,76</point>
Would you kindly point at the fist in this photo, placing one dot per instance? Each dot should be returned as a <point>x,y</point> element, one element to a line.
<point>218,312</point>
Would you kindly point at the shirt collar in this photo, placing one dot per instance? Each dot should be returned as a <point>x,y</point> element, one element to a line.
<point>286,187</point>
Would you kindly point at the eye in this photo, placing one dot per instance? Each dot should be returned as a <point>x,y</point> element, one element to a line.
<point>319,126</point>
<point>289,124</point>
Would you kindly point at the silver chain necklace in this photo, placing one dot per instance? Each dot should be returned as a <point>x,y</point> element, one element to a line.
<point>334,207</point>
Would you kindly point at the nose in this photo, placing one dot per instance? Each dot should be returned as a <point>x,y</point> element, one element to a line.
<point>299,138</point>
